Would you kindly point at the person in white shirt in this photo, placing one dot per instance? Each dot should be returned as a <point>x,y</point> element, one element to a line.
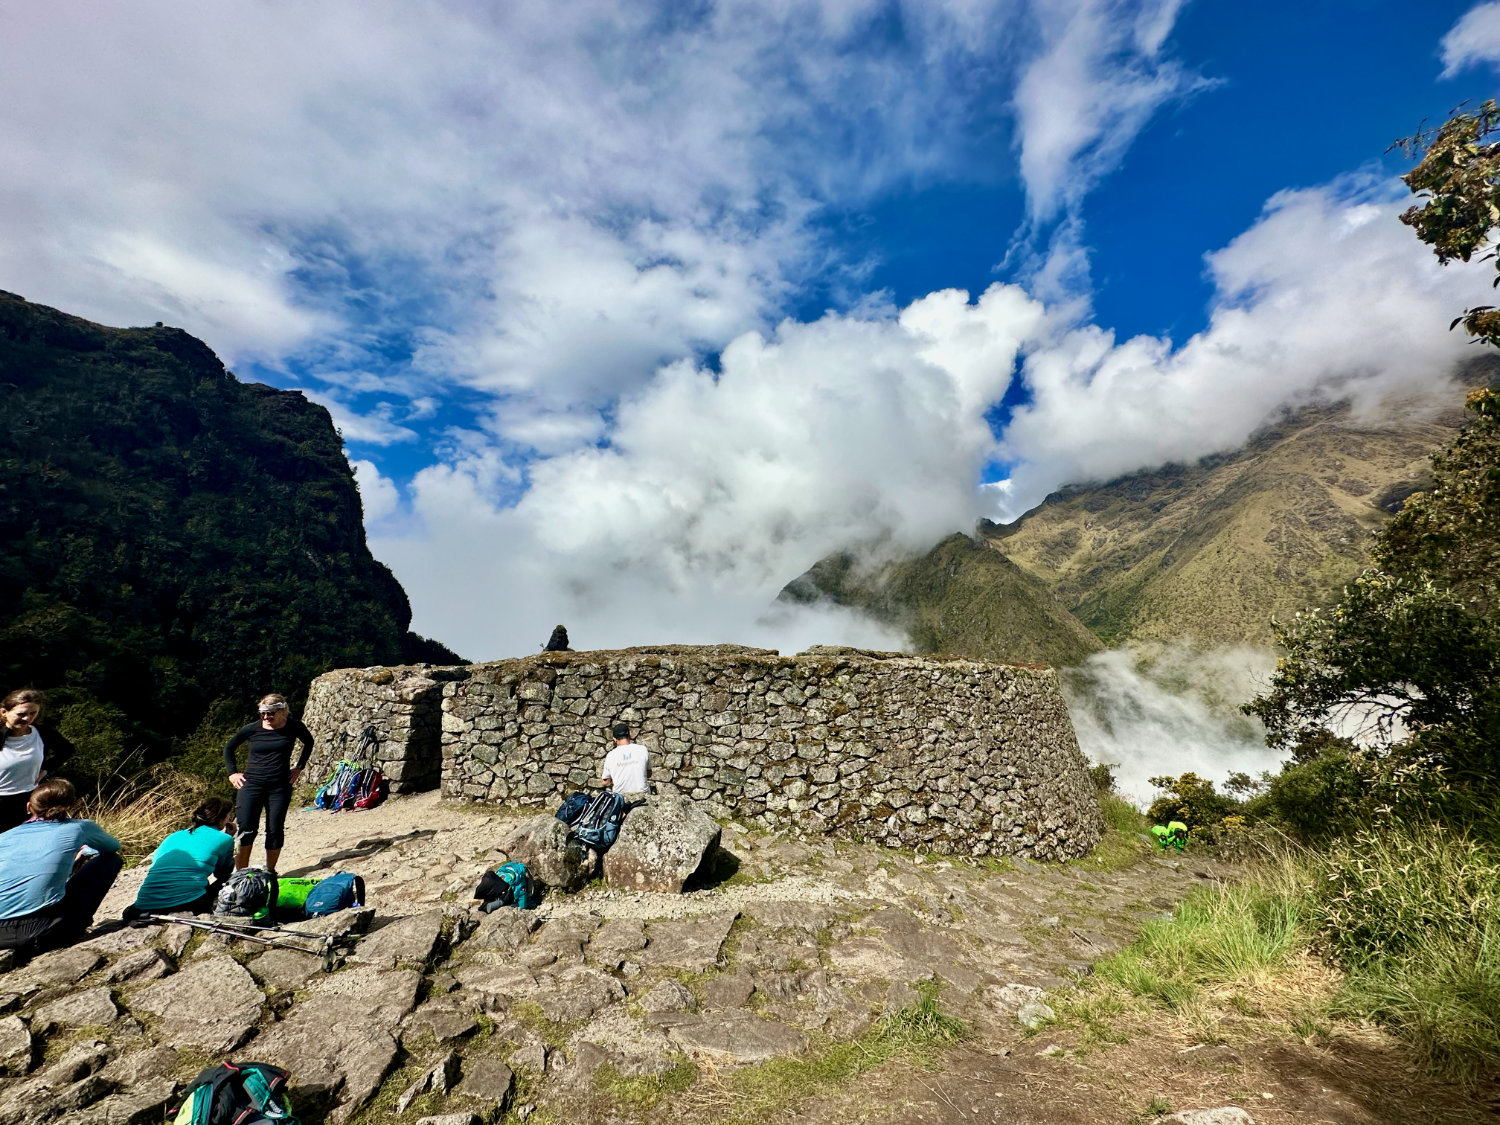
<point>30,753</point>
<point>627,765</point>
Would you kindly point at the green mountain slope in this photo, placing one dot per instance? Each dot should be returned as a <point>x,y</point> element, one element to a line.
<point>961,598</point>
<point>1209,551</point>
<point>173,537</point>
<point>1212,551</point>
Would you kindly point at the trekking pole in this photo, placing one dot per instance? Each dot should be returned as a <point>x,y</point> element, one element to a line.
<point>324,950</point>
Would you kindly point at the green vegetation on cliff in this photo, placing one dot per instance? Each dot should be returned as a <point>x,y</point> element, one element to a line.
<point>176,541</point>
<point>961,598</point>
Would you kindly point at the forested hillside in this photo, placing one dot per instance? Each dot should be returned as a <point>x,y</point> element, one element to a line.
<point>177,542</point>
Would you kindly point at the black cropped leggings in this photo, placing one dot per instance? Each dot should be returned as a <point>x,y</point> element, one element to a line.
<point>275,797</point>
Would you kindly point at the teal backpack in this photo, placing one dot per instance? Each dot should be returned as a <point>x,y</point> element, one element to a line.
<point>510,884</point>
<point>249,1093</point>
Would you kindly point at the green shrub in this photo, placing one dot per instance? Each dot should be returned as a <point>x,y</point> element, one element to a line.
<point>1192,800</point>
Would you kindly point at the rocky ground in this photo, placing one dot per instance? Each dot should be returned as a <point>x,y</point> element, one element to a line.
<point>608,1003</point>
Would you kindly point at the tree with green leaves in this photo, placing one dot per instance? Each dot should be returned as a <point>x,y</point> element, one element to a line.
<point>1408,661</point>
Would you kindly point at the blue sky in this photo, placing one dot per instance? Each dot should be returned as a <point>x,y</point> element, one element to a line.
<point>628,313</point>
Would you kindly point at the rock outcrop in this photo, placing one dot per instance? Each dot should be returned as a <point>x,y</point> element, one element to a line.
<point>662,844</point>
<point>551,854</point>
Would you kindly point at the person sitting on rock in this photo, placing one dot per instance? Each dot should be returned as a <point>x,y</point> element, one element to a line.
<point>44,902</point>
<point>558,642</point>
<point>188,867</point>
<point>627,765</point>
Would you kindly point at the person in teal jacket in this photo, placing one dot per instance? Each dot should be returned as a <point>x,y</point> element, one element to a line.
<point>188,866</point>
<point>48,898</point>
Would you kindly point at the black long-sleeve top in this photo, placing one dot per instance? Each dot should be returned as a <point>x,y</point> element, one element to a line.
<point>270,757</point>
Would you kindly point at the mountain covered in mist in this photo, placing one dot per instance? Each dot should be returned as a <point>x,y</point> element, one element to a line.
<point>175,539</point>
<point>1208,551</point>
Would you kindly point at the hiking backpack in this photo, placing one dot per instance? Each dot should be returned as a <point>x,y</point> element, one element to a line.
<point>357,782</point>
<point>510,884</point>
<point>573,807</point>
<point>232,1093</point>
<point>600,822</point>
<point>338,791</point>
<point>335,893</point>
<point>249,893</point>
<point>291,895</point>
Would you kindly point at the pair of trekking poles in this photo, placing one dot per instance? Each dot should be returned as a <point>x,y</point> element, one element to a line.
<point>327,945</point>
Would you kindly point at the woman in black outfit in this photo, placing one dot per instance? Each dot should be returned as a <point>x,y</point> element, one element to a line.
<point>268,778</point>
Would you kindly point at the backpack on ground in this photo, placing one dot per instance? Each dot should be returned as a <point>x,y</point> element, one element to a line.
<point>291,895</point>
<point>600,823</point>
<point>338,792</point>
<point>370,788</point>
<point>335,893</point>
<point>249,893</point>
<point>232,1093</point>
<point>573,807</point>
<point>510,884</point>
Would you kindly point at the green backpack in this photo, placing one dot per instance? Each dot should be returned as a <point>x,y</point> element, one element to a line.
<point>231,1093</point>
<point>291,895</point>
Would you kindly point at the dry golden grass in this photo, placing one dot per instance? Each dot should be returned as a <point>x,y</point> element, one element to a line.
<point>145,810</point>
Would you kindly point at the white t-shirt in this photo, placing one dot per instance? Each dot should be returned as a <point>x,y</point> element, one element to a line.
<point>20,763</point>
<point>626,767</point>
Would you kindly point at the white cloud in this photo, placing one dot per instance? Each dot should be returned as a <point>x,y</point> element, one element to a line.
<point>545,204</point>
<point>717,487</point>
<point>1155,711</point>
<point>1099,77</point>
<point>1327,296</point>
<point>1473,40</point>
<point>379,495</point>
<point>373,427</point>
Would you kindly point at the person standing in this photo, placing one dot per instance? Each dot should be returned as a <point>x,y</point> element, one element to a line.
<point>31,753</point>
<point>189,865</point>
<point>627,765</point>
<point>267,781</point>
<point>44,902</point>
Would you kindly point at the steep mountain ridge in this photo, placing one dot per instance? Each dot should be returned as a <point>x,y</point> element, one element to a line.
<point>174,537</point>
<point>1209,551</point>
<point>1212,551</point>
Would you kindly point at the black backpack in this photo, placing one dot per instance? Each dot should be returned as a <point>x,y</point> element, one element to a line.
<point>232,1093</point>
<point>600,823</point>
<point>250,893</point>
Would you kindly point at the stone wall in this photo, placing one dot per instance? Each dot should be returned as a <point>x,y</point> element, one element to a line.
<point>402,704</point>
<point>946,755</point>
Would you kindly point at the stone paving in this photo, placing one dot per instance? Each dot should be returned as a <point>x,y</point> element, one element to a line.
<point>797,943</point>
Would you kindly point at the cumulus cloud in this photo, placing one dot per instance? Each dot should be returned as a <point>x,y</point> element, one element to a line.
<point>542,205</point>
<point>378,494</point>
<point>1473,40</point>
<point>1325,298</point>
<point>716,487</point>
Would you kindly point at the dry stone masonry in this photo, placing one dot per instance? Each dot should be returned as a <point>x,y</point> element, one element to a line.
<point>948,755</point>
<point>402,705</point>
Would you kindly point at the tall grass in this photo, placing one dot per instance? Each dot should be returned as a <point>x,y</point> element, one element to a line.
<point>144,810</point>
<point>1219,935</point>
<point>1410,912</point>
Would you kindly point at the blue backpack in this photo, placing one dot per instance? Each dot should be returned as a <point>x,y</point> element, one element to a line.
<point>573,807</point>
<point>600,823</point>
<point>510,884</point>
<point>335,893</point>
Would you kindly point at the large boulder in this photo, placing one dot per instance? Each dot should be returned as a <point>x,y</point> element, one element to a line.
<point>662,845</point>
<point>551,855</point>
